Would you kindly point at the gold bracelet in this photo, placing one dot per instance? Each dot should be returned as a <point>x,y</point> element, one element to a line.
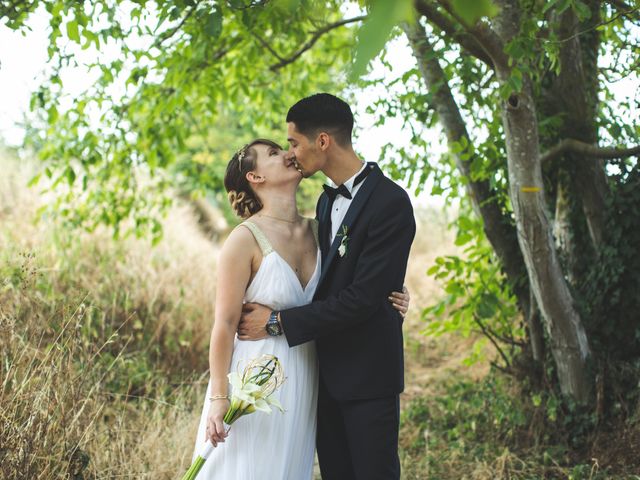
<point>218,397</point>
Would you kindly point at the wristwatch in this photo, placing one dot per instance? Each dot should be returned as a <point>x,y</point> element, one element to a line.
<point>273,325</point>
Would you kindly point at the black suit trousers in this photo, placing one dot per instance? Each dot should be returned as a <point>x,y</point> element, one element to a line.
<point>358,439</point>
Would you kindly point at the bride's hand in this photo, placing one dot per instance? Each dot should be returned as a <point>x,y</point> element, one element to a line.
<point>400,301</point>
<point>215,424</point>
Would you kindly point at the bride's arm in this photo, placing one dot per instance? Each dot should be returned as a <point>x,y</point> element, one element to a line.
<point>234,272</point>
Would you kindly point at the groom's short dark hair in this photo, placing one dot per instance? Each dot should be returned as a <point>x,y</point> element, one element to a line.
<point>323,112</point>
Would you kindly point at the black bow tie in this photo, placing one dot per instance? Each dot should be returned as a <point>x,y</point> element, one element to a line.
<point>333,192</point>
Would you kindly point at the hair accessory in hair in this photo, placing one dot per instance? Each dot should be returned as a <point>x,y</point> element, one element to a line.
<point>241,154</point>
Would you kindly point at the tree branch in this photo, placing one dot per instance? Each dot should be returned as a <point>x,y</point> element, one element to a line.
<point>492,340</point>
<point>619,4</point>
<point>595,26</point>
<point>624,8</point>
<point>311,42</point>
<point>215,56</point>
<point>461,36</point>
<point>576,146</point>
<point>167,34</point>
<point>266,45</point>
<point>489,40</point>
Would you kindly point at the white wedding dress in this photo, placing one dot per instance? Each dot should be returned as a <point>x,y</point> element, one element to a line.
<point>276,446</point>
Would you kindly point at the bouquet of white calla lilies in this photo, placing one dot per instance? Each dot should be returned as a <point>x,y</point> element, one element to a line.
<point>252,391</point>
<point>247,394</point>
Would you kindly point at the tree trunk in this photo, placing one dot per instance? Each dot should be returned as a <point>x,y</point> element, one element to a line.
<point>562,231</point>
<point>568,339</point>
<point>536,334</point>
<point>573,91</point>
<point>567,335</point>
<point>497,227</point>
<point>210,221</point>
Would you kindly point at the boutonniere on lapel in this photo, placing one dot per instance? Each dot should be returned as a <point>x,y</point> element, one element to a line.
<point>344,241</point>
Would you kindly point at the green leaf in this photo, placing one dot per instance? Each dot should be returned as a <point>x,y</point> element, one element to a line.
<point>462,238</point>
<point>34,180</point>
<point>454,289</point>
<point>433,269</point>
<point>465,223</point>
<point>375,31</point>
<point>437,190</point>
<point>536,399</point>
<point>72,31</point>
<point>515,49</point>
<point>213,24</point>
<point>71,175</point>
<point>548,5</point>
<point>473,10</point>
<point>487,305</point>
<point>515,80</point>
<point>90,38</point>
<point>582,10</point>
<point>563,5</point>
<point>52,114</point>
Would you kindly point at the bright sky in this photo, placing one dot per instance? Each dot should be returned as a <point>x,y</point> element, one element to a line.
<point>23,57</point>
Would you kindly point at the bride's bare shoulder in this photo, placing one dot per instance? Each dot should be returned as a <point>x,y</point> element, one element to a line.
<point>239,242</point>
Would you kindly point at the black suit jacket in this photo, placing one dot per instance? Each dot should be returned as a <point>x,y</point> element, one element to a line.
<point>357,331</point>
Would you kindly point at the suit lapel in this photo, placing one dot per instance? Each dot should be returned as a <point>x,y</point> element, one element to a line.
<point>323,220</point>
<point>352,214</point>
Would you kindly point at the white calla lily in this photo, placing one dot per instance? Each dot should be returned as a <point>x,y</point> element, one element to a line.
<point>262,405</point>
<point>275,402</point>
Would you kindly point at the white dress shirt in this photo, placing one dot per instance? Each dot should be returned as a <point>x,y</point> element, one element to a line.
<point>341,204</point>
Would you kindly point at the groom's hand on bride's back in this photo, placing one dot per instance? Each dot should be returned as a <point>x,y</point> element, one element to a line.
<point>253,322</point>
<point>401,300</point>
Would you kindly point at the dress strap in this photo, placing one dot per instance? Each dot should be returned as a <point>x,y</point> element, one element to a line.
<point>260,237</point>
<point>314,229</point>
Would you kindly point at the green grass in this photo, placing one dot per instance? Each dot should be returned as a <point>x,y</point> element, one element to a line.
<point>494,429</point>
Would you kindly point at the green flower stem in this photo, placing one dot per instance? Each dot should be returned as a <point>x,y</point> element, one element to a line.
<point>194,469</point>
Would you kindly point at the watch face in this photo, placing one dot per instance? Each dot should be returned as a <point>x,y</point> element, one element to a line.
<point>273,329</point>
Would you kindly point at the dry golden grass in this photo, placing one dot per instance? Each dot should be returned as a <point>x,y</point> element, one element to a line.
<point>60,421</point>
<point>99,340</point>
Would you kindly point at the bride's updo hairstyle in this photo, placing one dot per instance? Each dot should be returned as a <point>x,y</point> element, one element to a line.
<point>243,199</point>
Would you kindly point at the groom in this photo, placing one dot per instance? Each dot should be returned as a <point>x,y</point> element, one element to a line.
<point>365,233</point>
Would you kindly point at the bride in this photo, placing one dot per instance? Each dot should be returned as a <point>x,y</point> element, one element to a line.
<point>271,258</point>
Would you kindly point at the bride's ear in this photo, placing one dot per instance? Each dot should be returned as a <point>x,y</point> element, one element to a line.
<point>252,177</point>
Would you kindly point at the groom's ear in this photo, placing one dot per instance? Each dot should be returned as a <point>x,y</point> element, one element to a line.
<point>324,141</point>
